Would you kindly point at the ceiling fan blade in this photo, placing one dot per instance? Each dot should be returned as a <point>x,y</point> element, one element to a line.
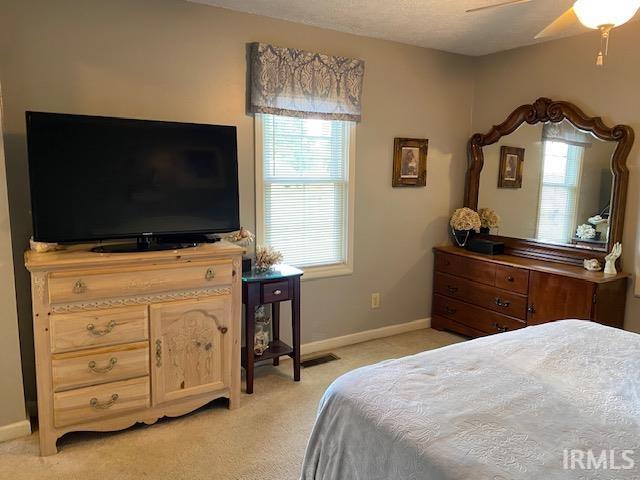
<point>496,5</point>
<point>565,22</point>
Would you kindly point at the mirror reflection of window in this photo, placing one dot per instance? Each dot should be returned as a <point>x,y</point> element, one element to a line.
<point>560,184</point>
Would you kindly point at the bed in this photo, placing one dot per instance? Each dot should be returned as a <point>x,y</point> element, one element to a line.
<point>520,405</point>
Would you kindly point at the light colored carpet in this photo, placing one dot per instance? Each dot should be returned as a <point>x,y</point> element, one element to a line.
<point>264,439</point>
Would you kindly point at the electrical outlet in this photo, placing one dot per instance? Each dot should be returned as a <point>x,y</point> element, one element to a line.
<point>375,300</point>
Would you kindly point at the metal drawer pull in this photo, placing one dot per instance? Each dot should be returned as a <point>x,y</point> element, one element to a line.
<point>79,287</point>
<point>108,368</point>
<point>223,330</point>
<point>101,333</point>
<point>510,278</point>
<point>210,274</point>
<point>503,304</point>
<point>101,406</point>
<point>450,310</point>
<point>499,327</point>
<point>277,292</point>
<point>452,289</point>
<point>531,309</point>
<point>158,353</point>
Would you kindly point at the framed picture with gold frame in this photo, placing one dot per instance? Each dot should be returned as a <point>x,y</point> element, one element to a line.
<point>410,162</point>
<point>510,173</point>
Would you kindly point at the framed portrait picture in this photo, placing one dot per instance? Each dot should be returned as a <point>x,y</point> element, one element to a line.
<point>510,173</point>
<point>410,162</point>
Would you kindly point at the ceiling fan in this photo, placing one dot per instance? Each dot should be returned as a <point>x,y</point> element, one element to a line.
<point>603,15</point>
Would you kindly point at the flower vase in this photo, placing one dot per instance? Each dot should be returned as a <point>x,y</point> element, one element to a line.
<point>461,237</point>
<point>485,230</point>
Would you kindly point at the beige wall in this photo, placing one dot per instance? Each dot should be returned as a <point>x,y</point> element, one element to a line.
<point>565,69</point>
<point>12,408</point>
<point>173,60</point>
<point>517,207</point>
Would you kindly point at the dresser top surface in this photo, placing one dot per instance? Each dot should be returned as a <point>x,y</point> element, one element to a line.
<point>82,256</point>
<point>573,271</point>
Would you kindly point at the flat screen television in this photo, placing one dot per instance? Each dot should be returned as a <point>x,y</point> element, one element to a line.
<point>98,178</point>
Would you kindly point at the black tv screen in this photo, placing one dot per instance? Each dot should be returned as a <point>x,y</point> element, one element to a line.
<point>98,178</point>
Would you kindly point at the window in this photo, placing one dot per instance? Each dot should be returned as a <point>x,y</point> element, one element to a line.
<point>560,181</point>
<point>304,191</point>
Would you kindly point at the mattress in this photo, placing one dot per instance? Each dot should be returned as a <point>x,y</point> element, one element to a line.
<point>554,401</point>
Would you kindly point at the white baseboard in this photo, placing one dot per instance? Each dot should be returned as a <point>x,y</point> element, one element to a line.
<point>359,337</point>
<point>15,430</point>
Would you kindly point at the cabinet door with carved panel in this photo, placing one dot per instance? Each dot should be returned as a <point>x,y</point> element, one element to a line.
<point>191,349</point>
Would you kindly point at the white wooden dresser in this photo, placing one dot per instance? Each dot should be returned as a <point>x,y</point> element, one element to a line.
<point>122,338</point>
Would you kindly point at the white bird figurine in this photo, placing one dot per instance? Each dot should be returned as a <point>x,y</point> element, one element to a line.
<point>610,264</point>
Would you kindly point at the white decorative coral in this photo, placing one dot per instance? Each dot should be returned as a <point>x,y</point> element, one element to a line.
<point>266,257</point>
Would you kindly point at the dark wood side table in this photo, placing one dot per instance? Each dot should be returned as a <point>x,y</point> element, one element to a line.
<point>279,284</point>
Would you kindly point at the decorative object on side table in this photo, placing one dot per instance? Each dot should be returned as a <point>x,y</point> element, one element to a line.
<point>610,260</point>
<point>462,222</point>
<point>410,162</point>
<point>593,265</point>
<point>266,257</point>
<point>510,173</point>
<point>278,284</point>
<point>263,325</point>
<point>488,219</point>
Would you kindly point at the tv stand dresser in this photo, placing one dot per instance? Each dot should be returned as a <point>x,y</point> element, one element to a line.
<point>122,338</point>
<point>476,294</point>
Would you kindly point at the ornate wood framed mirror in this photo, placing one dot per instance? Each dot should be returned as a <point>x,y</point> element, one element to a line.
<point>556,177</point>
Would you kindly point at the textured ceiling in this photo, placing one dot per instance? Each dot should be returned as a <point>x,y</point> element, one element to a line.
<point>439,24</point>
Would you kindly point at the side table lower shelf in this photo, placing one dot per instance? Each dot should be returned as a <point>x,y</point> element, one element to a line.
<point>277,349</point>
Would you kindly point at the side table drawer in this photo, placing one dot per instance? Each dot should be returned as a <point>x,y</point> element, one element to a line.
<point>275,292</point>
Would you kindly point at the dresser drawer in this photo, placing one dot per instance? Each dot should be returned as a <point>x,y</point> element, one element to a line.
<point>477,270</point>
<point>511,278</point>
<point>275,292</point>
<point>94,403</point>
<point>501,301</point>
<point>473,316</point>
<point>79,286</point>
<point>73,331</point>
<point>100,365</point>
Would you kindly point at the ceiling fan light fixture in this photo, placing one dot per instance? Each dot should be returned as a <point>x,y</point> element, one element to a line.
<point>597,13</point>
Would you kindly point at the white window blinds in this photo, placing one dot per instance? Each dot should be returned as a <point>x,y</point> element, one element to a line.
<point>561,171</point>
<point>305,179</point>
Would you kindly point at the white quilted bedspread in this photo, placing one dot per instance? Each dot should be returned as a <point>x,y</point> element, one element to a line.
<point>503,407</point>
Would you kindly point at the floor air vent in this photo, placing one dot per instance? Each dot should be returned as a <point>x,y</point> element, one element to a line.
<point>318,360</point>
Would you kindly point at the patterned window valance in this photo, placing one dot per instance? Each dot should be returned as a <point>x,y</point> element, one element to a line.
<point>567,133</point>
<point>296,83</point>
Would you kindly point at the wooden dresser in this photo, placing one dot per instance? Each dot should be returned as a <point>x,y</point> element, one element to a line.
<point>477,294</point>
<point>122,338</point>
